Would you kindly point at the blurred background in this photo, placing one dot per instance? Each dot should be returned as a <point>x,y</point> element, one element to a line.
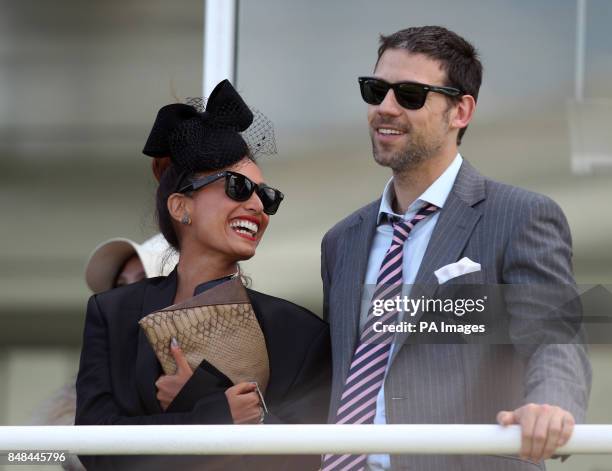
<point>81,83</point>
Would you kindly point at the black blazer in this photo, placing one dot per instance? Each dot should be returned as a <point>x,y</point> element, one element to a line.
<point>118,370</point>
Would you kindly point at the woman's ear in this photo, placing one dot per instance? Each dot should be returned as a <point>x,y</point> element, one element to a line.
<point>179,207</point>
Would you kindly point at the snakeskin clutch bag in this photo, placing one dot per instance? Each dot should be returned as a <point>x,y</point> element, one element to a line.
<point>217,327</point>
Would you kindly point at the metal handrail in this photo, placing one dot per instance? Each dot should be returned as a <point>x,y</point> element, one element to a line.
<point>289,439</point>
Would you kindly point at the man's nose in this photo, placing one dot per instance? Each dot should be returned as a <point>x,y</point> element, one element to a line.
<point>389,105</point>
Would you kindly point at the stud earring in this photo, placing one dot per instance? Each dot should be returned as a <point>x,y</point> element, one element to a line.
<point>186,219</point>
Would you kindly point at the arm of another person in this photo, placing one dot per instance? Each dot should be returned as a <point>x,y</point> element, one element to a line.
<point>558,375</point>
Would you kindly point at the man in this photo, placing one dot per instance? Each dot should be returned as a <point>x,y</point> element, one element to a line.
<point>436,210</point>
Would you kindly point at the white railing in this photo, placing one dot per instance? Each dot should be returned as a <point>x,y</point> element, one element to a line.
<point>289,439</point>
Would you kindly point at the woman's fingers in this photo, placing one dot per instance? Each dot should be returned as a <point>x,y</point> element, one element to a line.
<point>253,416</point>
<point>244,403</point>
<point>163,398</point>
<point>249,399</point>
<point>243,388</point>
<point>168,386</point>
<point>182,365</point>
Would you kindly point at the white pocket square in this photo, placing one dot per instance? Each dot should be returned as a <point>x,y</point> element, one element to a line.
<point>453,270</point>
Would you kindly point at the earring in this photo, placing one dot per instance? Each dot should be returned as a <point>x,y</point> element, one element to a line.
<point>186,219</point>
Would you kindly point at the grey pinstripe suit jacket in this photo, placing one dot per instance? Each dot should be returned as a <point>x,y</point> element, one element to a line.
<point>518,237</point>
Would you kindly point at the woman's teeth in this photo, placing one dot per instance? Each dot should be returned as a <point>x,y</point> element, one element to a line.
<point>242,226</point>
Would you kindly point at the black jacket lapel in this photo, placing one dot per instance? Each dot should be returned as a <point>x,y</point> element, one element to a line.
<point>148,370</point>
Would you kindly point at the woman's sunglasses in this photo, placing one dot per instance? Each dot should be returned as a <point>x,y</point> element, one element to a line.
<point>240,188</point>
<point>410,95</point>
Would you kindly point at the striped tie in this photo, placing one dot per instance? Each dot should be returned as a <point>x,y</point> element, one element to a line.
<point>367,371</point>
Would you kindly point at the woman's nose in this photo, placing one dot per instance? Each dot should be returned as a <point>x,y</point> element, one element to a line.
<point>254,203</point>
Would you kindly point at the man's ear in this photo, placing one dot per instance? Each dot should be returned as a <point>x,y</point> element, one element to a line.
<point>179,206</point>
<point>464,112</point>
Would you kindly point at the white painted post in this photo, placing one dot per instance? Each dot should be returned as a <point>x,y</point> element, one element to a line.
<point>219,43</point>
<point>580,49</point>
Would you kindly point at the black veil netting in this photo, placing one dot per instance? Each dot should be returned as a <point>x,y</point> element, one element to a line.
<point>204,135</point>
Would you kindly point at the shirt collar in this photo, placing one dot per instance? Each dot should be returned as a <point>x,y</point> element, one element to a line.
<point>212,283</point>
<point>436,193</point>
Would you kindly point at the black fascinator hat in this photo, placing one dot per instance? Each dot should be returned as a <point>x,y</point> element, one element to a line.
<point>198,138</point>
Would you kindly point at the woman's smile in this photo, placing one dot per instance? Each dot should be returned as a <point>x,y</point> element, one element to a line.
<point>246,227</point>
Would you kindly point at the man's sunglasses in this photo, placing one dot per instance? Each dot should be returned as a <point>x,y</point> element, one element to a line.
<point>240,188</point>
<point>410,95</point>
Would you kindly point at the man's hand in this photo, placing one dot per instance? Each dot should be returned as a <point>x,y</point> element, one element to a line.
<point>544,428</point>
<point>168,386</point>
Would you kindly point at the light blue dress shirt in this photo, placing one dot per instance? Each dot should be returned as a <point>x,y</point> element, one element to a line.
<point>414,250</point>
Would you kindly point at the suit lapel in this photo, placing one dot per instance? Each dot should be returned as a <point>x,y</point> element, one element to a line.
<point>453,229</point>
<point>356,244</point>
<point>156,296</point>
<point>450,236</point>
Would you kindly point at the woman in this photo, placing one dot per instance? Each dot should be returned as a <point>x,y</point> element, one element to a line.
<point>213,207</point>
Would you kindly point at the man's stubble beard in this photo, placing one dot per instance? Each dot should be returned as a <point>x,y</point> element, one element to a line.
<point>405,159</point>
<point>416,151</point>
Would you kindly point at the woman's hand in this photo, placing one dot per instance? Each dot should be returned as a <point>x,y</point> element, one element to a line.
<point>244,403</point>
<point>168,386</point>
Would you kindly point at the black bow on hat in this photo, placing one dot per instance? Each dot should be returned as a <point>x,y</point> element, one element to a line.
<point>197,141</point>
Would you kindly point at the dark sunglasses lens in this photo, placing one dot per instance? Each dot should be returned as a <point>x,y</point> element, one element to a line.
<point>239,187</point>
<point>373,92</point>
<point>411,96</point>
<point>270,198</point>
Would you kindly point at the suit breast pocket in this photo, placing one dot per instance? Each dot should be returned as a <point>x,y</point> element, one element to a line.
<point>474,278</point>
<point>467,286</point>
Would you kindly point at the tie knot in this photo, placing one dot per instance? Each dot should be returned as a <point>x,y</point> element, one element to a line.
<point>402,228</point>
